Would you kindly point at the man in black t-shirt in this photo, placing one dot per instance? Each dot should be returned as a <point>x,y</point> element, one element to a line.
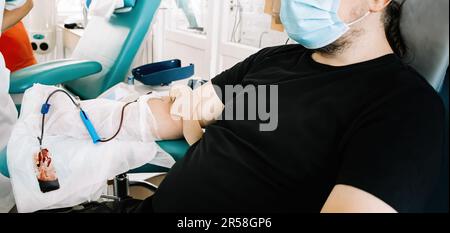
<point>356,129</point>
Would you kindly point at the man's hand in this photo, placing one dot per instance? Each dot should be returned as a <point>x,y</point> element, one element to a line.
<point>185,107</point>
<point>202,104</point>
<point>11,18</point>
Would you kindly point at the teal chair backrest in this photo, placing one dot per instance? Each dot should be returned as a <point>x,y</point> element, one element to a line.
<point>122,34</point>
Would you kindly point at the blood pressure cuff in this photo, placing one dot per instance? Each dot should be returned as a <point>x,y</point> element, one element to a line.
<point>14,4</point>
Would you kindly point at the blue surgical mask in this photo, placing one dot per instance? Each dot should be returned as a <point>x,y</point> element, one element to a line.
<point>314,23</point>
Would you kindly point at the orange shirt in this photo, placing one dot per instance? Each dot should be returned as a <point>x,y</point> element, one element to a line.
<point>16,48</point>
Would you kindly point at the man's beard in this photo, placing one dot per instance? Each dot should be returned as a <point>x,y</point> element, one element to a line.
<point>340,45</point>
<point>335,48</point>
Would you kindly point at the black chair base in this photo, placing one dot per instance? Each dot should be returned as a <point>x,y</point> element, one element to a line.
<point>122,186</point>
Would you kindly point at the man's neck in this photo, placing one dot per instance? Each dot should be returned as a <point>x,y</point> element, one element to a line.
<point>364,48</point>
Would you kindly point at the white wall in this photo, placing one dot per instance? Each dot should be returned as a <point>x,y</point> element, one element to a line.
<point>210,52</point>
<point>214,52</point>
<point>196,48</point>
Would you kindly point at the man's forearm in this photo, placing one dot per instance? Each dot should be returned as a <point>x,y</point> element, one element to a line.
<point>11,18</point>
<point>192,131</point>
<point>166,127</point>
<point>197,109</point>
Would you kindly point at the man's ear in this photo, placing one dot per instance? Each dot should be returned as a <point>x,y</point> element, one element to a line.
<point>378,5</point>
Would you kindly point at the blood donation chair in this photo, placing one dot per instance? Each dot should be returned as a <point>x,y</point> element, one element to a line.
<point>426,31</point>
<point>439,201</point>
<point>427,39</point>
<point>86,77</point>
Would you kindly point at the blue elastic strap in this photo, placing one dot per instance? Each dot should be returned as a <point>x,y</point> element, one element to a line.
<point>163,73</point>
<point>90,128</point>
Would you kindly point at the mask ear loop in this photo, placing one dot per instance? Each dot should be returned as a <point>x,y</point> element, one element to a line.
<point>365,15</point>
<point>360,19</point>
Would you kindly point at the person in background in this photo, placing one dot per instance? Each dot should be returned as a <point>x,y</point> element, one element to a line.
<point>11,12</point>
<point>16,48</point>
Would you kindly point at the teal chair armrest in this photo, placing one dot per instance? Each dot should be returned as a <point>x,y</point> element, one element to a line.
<point>175,148</point>
<point>52,73</point>
<point>3,163</point>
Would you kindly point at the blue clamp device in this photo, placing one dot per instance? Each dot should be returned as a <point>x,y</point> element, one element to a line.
<point>90,128</point>
<point>163,73</point>
<point>84,117</point>
<point>45,108</point>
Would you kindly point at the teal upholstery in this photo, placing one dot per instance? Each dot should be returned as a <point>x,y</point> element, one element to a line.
<point>137,23</point>
<point>129,3</point>
<point>3,164</point>
<point>52,73</point>
<point>177,149</point>
<point>76,74</point>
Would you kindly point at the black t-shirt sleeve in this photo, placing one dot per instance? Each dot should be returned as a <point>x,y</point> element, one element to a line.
<point>394,150</point>
<point>235,75</point>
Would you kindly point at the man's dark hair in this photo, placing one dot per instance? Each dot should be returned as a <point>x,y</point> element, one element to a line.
<point>392,18</point>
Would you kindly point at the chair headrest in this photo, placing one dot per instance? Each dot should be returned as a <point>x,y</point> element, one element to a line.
<point>425,28</point>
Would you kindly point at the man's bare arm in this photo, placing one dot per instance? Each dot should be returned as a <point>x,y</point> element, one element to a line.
<point>348,199</point>
<point>167,127</point>
<point>192,131</point>
<point>185,112</point>
<point>11,18</point>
